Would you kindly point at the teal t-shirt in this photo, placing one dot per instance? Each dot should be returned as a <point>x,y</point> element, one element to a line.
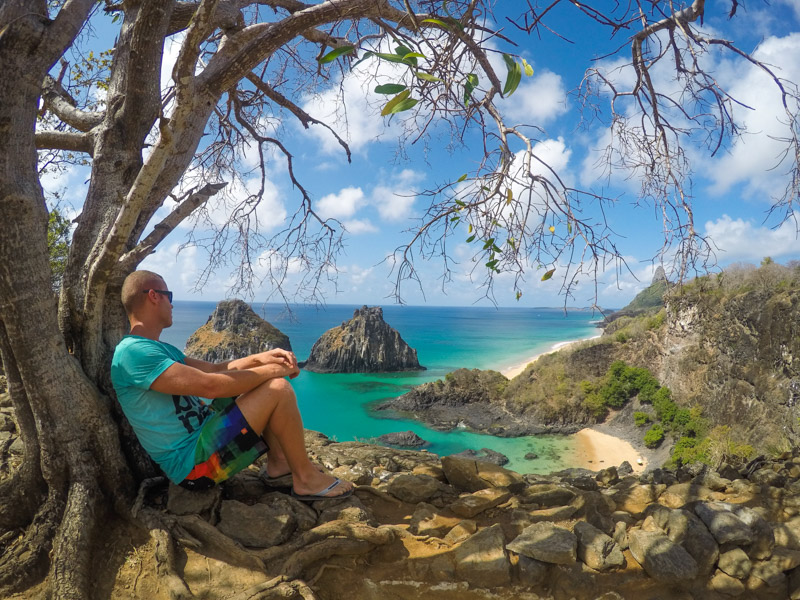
<point>167,425</point>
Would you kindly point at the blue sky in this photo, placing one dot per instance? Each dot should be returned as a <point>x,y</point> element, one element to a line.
<point>376,196</point>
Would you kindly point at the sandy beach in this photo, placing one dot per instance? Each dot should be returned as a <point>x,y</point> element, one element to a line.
<point>595,450</point>
<point>516,369</point>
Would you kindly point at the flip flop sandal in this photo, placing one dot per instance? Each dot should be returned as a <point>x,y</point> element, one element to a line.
<point>323,494</point>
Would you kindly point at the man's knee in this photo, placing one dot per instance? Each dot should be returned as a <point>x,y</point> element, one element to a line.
<point>278,388</point>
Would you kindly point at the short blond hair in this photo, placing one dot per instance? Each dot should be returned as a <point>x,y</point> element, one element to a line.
<point>133,286</point>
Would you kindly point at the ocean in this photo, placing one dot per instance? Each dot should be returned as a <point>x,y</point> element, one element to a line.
<point>446,338</point>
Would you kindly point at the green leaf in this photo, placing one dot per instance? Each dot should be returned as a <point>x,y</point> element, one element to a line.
<point>390,106</point>
<point>548,275</point>
<point>455,218</point>
<point>469,87</point>
<point>462,178</point>
<point>405,104</point>
<point>459,202</point>
<point>402,50</point>
<point>390,57</point>
<point>489,243</point>
<point>428,77</point>
<point>514,75</point>
<point>492,264</point>
<point>470,239</point>
<point>519,295</point>
<point>336,53</point>
<point>390,88</point>
<point>569,228</point>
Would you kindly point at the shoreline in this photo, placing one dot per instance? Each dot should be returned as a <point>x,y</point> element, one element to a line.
<point>517,368</point>
<point>596,450</point>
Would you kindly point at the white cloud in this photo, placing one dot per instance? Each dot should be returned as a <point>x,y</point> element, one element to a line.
<point>737,239</point>
<point>752,160</point>
<point>395,202</point>
<point>537,101</point>
<point>358,226</point>
<point>268,215</point>
<point>341,205</point>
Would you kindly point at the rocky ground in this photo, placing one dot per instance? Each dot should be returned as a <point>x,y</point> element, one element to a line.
<point>454,528</point>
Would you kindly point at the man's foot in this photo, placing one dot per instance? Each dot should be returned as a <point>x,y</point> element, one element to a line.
<point>338,489</point>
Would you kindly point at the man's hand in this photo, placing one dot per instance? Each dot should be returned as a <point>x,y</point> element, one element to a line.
<point>279,356</point>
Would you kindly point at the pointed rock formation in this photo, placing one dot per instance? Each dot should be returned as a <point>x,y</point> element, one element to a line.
<point>364,344</point>
<point>234,330</point>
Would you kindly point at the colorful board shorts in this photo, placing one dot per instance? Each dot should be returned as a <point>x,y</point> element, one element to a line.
<point>227,445</point>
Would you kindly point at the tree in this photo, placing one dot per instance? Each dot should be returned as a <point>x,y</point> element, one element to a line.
<point>239,60</point>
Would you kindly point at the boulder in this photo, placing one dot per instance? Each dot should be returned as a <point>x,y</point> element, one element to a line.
<point>234,330</point>
<point>547,543</point>
<point>415,488</point>
<point>722,583</point>
<point>181,501</point>
<point>404,439</point>
<point>482,561</point>
<point>596,549</point>
<point>258,526</point>
<point>662,559</point>
<point>686,529</point>
<point>364,344</point>
<point>471,476</point>
<point>735,563</point>
<point>725,526</point>
<point>470,505</point>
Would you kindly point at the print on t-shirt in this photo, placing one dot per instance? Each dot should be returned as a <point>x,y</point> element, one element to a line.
<point>188,409</point>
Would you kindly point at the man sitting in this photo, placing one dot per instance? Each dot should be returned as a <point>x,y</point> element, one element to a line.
<point>197,445</point>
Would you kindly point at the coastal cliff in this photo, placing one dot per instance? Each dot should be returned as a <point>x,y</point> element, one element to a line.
<point>725,347</point>
<point>364,344</point>
<point>234,330</point>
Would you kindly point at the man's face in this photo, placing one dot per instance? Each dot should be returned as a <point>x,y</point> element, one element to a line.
<point>164,302</point>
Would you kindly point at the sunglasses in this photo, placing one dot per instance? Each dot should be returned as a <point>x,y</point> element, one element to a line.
<point>162,292</point>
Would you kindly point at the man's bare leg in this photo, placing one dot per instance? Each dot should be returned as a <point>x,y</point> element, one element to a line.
<point>272,409</point>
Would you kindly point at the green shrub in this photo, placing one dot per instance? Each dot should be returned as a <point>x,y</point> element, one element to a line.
<point>622,337</point>
<point>641,418</point>
<point>665,408</point>
<point>654,436</point>
<point>594,403</point>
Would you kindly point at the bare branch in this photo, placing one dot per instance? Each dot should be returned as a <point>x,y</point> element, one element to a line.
<point>58,101</point>
<point>65,140</point>
<point>185,208</point>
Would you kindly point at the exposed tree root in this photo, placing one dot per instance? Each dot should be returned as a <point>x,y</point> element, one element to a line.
<point>220,545</point>
<point>302,559</point>
<point>279,587</point>
<point>72,547</point>
<point>343,529</point>
<point>165,565</point>
<point>25,560</point>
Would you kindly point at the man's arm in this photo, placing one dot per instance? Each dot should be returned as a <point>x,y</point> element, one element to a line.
<point>274,356</point>
<point>184,379</point>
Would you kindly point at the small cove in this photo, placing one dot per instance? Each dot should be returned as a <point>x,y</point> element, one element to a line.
<point>446,338</point>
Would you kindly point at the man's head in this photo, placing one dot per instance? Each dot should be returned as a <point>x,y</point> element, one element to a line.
<point>144,291</point>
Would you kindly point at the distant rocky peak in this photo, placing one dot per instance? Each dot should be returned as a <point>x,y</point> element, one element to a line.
<point>369,312</point>
<point>659,275</point>
<point>234,330</point>
<point>233,315</point>
<point>364,344</point>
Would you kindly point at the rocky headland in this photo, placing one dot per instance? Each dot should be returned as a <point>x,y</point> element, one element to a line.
<point>364,344</point>
<point>234,330</point>
<point>475,399</point>
<point>725,348</point>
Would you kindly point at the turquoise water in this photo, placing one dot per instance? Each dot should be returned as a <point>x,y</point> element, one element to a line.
<point>446,338</point>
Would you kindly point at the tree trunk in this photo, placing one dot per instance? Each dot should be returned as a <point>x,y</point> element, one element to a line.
<point>73,464</point>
